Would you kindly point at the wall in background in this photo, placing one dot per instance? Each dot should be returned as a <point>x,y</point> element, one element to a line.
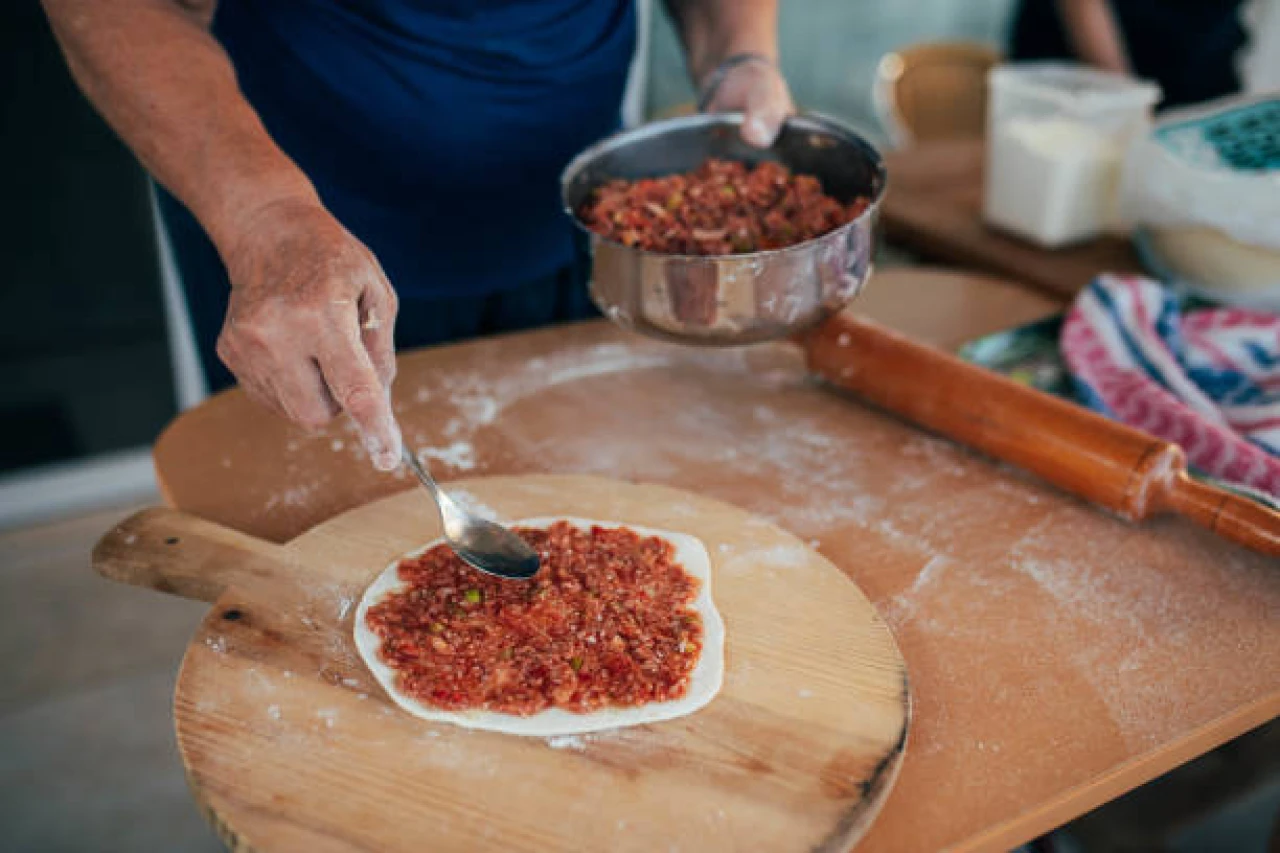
<point>830,48</point>
<point>84,358</point>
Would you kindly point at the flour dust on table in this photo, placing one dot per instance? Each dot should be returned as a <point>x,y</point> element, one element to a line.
<point>618,629</point>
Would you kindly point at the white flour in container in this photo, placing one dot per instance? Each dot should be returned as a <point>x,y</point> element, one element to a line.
<point>1054,181</point>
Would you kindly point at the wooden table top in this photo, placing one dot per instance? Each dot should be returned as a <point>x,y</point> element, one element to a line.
<point>934,207</point>
<point>1058,657</point>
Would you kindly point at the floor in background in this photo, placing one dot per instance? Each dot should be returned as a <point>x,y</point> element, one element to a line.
<point>84,354</point>
<point>88,762</point>
<point>87,757</point>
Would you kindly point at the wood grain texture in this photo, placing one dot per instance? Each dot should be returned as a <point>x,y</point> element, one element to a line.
<point>234,463</point>
<point>946,309</point>
<point>1115,466</point>
<point>1058,655</point>
<point>143,550</point>
<point>291,744</point>
<point>934,207</point>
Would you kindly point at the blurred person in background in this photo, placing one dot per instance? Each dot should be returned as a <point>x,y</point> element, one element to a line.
<point>332,166</point>
<point>1260,60</point>
<point>1189,47</point>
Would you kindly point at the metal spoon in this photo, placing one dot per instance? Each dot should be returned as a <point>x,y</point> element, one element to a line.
<point>481,543</point>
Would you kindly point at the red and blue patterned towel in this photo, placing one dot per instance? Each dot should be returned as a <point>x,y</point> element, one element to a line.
<point>1207,380</point>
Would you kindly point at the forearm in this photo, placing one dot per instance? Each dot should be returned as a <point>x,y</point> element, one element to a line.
<point>713,30</point>
<point>1095,34</point>
<point>165,85</point>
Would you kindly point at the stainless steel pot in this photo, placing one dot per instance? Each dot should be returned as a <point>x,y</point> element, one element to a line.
<point>730,299</point>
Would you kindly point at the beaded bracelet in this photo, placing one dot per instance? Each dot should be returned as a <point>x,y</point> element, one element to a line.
<point>712,84</point>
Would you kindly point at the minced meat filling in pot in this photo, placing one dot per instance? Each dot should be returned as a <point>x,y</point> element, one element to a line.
<point>607,622</point>
<point>722,208</point>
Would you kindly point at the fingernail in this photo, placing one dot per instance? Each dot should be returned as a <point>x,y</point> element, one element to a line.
<point>384,457</point>
<point>757,132</point>
<point>386,461</point>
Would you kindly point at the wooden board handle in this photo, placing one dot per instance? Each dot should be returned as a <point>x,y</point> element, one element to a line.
<point>1102,461</point>
<point>170,551</point>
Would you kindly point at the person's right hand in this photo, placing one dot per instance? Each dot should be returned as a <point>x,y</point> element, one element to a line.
<point>309,327</point>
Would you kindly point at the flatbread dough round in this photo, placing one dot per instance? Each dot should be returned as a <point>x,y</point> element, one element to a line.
<point>704,684</point>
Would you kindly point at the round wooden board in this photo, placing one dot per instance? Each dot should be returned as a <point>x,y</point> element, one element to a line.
<point>291,745</point>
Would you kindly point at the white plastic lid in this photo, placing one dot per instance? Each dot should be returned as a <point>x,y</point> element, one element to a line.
<point>1074,87</point>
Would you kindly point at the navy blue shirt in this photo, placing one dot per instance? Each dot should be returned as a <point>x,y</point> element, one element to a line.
<point>1187,46</point>
<point>435,130</point>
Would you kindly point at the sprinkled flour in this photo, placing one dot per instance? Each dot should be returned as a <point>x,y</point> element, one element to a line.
<point>460,455</point>
<point>573,742</point>
<point>473,504</point>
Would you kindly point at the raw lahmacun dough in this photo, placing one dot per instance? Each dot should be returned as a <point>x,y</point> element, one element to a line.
<point>704,682</point>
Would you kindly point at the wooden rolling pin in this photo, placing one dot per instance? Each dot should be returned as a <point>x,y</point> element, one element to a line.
<point>1102,461</point>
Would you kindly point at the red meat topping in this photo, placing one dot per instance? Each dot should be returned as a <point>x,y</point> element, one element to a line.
<point>721,208</point>
<point>607,622</point>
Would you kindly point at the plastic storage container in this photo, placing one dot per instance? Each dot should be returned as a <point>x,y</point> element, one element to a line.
<point>1056,140</point>
<point>1203,193</point>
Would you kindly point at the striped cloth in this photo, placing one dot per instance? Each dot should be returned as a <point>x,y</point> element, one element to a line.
<point>1207,380</point>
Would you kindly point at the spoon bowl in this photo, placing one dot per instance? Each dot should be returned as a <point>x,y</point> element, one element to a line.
<point>482,544</point>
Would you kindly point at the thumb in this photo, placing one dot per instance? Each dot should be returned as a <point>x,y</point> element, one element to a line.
<point>763,117</point>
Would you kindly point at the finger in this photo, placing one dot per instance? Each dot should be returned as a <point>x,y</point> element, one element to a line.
<point>288,383</point>
<point>378,307</point>
<point>302,393</point>
<point>246,379</point>
<point>355,385</point>
<point>767,110</point>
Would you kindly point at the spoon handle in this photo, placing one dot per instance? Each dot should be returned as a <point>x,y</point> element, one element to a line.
<point>428,482</point>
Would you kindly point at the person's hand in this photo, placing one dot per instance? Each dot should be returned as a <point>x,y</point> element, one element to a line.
<point>309,326</point>
<point>754,87</point>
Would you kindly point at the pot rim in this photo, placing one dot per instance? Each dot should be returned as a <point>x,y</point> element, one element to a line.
<point>811,122</point>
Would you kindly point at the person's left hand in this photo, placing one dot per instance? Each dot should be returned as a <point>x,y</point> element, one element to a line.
<point>758,91</point>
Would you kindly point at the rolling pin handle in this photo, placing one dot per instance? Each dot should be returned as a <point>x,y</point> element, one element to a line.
<point>1104,462</point>
<point>1229,515</point>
